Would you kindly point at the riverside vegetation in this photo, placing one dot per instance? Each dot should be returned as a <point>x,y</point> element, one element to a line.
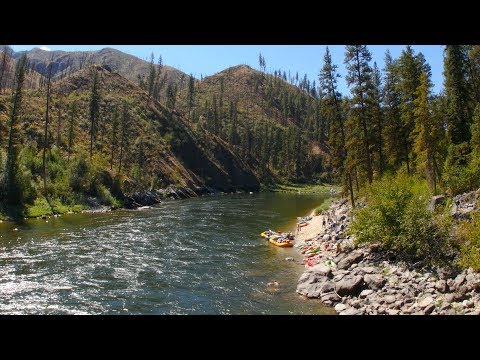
<point>84,129</point>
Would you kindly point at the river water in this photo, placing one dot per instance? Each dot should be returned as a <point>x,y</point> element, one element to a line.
<point>196,256</point>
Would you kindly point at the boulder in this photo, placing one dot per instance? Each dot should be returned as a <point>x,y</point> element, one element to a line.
<point>322,270</point>
<point>365,293</point>
<point>374,281</point>
<point>340,307</point>
<point>441,286</point>
<point>435,201</point>
<point>426,301</point>
<point>459,280</point>
<point>390,299</point>
<point>350,311</point>
<point>352,258</point>
<point>349,285</point>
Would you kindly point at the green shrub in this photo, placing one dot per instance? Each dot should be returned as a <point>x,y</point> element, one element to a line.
<point>397,218</point>
<point>107,198</point>
<point>81,175</point>
<point>468,232</point>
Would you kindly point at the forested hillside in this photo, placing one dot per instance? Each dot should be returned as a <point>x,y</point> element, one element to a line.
<point>104,124</point>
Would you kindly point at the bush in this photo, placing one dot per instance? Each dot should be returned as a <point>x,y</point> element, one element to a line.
<point>468,232</point>
<point>397,218</point>
<point>107,198</point>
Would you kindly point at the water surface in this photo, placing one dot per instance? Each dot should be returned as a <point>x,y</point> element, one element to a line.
<point>195,256</point>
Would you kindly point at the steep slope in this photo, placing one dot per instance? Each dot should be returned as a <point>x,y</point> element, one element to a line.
<point>129,66</point>
<point>148,148</point>
<point>274,126</point>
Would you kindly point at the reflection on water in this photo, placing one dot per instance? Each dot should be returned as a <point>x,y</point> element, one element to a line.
<point>196,256</point>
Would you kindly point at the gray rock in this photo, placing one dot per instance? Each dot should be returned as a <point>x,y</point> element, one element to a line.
<point>441,286</point>
<point>350,311</point>
<point>369,269</point>
<point>426,301</point>
<point>316,289</point>
<point>340,307</point>
<point>352,258</point>
<point>459,280</point>
<point>428,309</point>
<point>393,311</point>
<point>448,298</point>
<point>382,309</point>
<point>366,293</point>
<point>322,270</point>
<point>289,259</point>
<point>435,201</point>
<point>326,237</point>
<point>332,297</point>
<point>390,299</point>
<point>350,285</point>
<point>393,279</point>
<point>374,281</point>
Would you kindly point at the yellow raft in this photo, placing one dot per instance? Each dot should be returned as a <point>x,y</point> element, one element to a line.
<point>264,234</point>
<point>280,244</point>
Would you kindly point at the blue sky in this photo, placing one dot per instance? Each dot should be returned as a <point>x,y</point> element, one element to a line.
<point>209,59</point>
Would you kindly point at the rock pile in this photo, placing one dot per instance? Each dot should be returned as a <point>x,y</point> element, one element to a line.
<point>360,280</point>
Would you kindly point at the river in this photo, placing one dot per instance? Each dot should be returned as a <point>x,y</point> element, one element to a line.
<point>196,256</point>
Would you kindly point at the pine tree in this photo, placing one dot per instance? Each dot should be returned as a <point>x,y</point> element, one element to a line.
<point>114,141</point>
<point>13,189</point>
<point>45,138</point>
<point>377,118</point>
<point>409,73</point>
<point>359,78</point>
<point>191,95</point>
<point>124,129</point>
<point>425,130</point>
<point>331,101</point>
<point>71,127</point>
<point>94,108</point>
<point>394,138</point>
<point>151,75</point>
<point>456,91</point>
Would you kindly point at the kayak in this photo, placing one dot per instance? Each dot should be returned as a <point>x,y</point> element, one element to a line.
<point>281,244</point>
<point>303,224</point>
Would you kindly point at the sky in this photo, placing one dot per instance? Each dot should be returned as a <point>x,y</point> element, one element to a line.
<point>306,59</point>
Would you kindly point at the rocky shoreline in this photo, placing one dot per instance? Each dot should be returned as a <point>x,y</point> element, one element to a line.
<point>142,200</point>
<point>361,280</point>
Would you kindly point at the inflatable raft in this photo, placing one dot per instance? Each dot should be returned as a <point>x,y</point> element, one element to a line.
<point>280,244</point>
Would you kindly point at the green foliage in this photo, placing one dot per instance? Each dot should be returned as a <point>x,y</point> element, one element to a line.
<point>81,175</point>
<point>107,198</point>
<point>324,206</point>
<point>468,232</point>
<point>397,218</point>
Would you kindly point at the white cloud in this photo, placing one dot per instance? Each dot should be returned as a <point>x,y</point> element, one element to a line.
<point>46,48</point>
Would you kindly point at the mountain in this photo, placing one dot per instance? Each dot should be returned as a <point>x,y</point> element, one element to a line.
<point>275,127</point>
<point>129,66</point>
<point>159,149</point>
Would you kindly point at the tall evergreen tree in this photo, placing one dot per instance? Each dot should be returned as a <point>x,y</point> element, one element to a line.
<point>94,108</point>
<point>13,189</point>
<point>45,138</point>
<point>425,129</point>
<point>458,96</point>
<point>359,78</point>
<point>394,135</point>
<point>331,101</point>
<point>377,118</point>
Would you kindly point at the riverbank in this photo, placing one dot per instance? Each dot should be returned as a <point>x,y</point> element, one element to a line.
<point>360,280</point>
<point>138,200</point>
